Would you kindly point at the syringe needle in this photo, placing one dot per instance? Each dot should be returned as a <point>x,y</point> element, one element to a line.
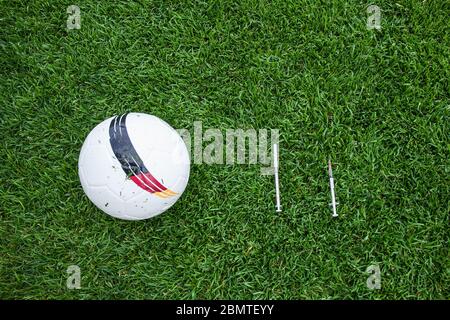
<point>277,185</point>
<point>333,196</point>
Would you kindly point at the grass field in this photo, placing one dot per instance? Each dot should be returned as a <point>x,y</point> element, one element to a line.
<point>374,101</point>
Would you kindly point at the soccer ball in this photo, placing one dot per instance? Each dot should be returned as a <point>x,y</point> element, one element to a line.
<point>134,166</point>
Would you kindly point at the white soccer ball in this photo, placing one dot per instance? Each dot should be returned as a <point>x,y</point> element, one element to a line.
<point>134,166</point>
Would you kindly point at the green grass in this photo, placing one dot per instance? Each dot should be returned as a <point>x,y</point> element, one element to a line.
<point>375,102</point>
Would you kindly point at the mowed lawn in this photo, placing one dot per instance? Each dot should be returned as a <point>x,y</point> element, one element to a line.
<point>376,102</point>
